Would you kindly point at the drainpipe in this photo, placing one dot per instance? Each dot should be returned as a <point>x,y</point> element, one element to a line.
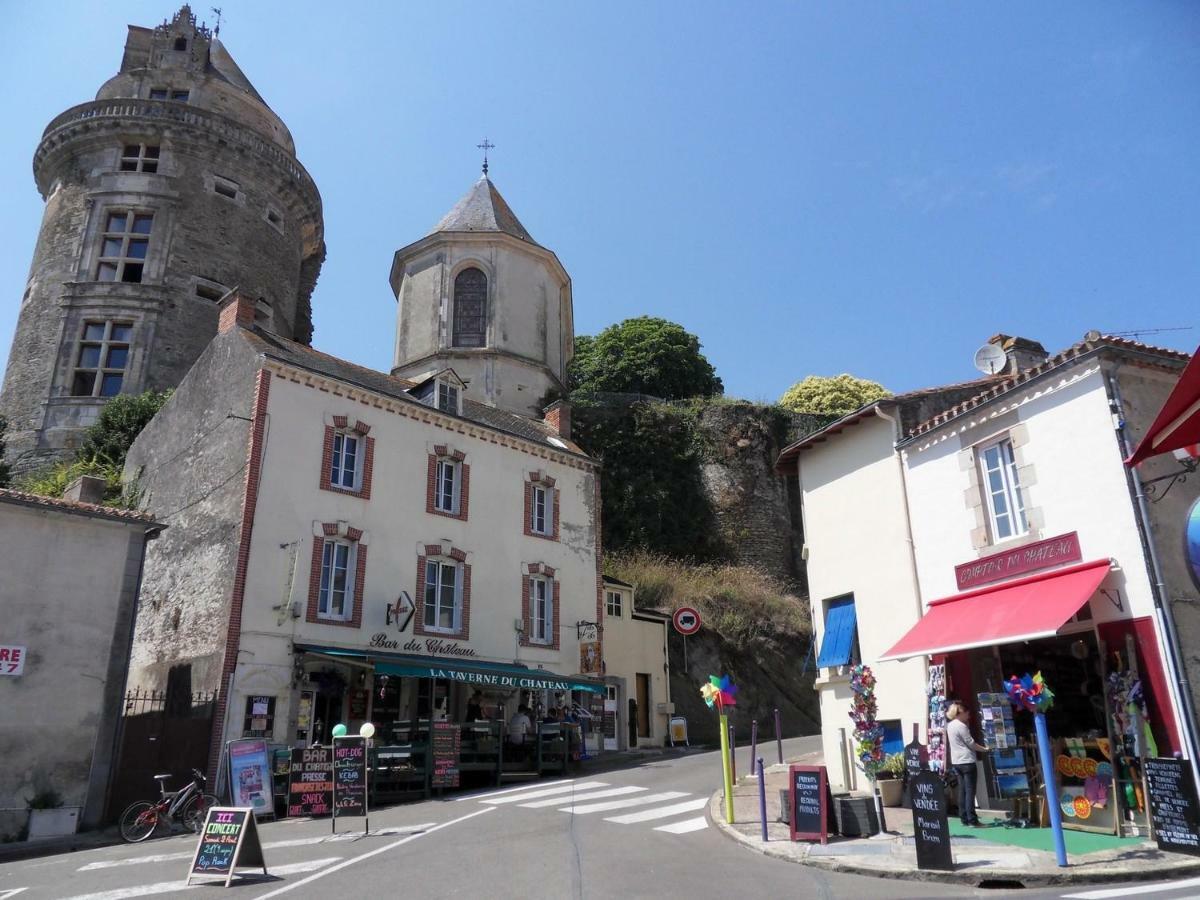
<point>1177,676</point>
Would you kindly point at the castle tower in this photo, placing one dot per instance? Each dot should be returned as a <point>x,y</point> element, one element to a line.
<point>174,185</point>
<point>478,295</point>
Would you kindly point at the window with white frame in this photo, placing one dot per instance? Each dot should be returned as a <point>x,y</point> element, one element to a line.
<point>443,595</point>
<point>613,603</point>
<point>541,609</point>
<point>103,358</point>
<point>446,486</point>
<point>336,597</point>
<point>447,397</point>
<point>541,509</point>
<point>139,158</point>
<point>346,467</point>
<point>1002,485</point>
<point>124,246</point>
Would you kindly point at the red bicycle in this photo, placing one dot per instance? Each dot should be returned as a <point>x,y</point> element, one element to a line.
<point>189,807</point>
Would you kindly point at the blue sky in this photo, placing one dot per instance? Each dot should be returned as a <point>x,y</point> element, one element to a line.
<point>810,188</point>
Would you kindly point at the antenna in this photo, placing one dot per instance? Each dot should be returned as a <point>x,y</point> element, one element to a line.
<point>990,359</point>
<point>1140,331</point>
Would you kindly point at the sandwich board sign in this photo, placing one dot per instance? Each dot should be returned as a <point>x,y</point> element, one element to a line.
<point>228,840</point>
<point>350,779</point>
<point>809,796</point>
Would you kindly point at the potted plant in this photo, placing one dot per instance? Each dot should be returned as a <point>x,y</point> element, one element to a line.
<point>890,779</point>
<point>48,817</point>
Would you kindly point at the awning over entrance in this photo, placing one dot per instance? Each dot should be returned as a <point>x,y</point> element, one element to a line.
<point>1178,422</point>
<point>474,672</point>
<point>1021,610</point>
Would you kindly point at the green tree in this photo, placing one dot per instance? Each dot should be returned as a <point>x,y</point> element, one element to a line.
<point>644,355</point>
<point>120,422</point>
<point>833,395</point>
<point>5,474</point>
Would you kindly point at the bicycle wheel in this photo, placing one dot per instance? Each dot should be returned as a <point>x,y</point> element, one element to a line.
<point>195,811</point>
<point>139,821</point>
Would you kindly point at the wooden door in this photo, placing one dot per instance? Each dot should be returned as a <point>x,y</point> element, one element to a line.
<point>643,704</point>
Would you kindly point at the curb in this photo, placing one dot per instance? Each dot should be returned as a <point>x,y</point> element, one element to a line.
<point>84,840</point>
<point>976,879</point>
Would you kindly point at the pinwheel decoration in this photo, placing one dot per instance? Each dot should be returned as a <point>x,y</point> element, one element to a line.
<point>719,692</point>
<point>1029,693</point>
<point>868,733</point>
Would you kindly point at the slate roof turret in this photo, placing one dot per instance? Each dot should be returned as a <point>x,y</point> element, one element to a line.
<point>483,209</point>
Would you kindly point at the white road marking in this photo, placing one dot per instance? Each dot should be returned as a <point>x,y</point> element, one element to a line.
<point>1142,889</point>
<point>660,812</point>
<point>11,892</point>
<point>589,795</point>
<point>272,845</point>
<point>384,849</point>
<point>164,887</point>
<point>685,826</point>
<point>524,787</point>
<point>622,804</point>
<point>545,792</point>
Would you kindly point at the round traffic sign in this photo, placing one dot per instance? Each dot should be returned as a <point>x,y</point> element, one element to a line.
<point>686,620</point>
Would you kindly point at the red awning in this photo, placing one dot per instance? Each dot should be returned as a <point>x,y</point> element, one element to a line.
<point>1021,610</point>
<point>1178,422</point>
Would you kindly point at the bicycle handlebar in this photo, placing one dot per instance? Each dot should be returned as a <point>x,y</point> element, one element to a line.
<point>198,776</point>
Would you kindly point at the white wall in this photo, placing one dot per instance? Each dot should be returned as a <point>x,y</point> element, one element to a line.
<point>632,646</point>
<point>394,522</point>
<point>854,530</point>
<point>1071,473</point>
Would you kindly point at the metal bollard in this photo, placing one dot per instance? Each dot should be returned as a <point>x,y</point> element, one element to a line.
<point>732,752</point>
<point>778,737</point>
<point>753,742</point>
<point>762,799</point>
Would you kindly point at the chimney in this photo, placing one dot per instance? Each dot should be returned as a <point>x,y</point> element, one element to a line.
<point>238,311</point>
<point>86,489</point>
<point>1022,353</point>
<point>558,416</point>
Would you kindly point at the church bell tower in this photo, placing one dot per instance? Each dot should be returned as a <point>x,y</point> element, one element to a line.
<point>480,296</point>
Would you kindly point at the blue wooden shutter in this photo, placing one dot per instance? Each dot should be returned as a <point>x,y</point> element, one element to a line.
<point>840,625</point>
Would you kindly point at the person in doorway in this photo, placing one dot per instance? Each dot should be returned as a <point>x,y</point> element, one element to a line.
<point>519,726</point>
<point>475,707</point>
<point>963,756</point>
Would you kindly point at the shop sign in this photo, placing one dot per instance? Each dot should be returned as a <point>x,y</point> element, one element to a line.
<point>228,840</point>
<point>12,659</point>
<point>809,803</point>
<point>1173,808</point>
<point>1029,558</point>
<point>250,775</point>
<point>446,747</point>
<point>931,825</point>
<point>349,776</point>
<point>589,658</point>
<point>310,785</point>
<point>434,646</point>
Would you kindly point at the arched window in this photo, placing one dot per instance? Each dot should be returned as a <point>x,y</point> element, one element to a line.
<point>470,308</point>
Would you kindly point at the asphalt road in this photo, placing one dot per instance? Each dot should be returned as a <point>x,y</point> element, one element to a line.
<point>630,833</point>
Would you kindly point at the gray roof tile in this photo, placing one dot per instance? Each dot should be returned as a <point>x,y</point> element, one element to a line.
<point>483,209</point>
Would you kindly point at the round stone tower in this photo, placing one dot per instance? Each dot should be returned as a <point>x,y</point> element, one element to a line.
<point>176,184</point>
<point>478,295</point>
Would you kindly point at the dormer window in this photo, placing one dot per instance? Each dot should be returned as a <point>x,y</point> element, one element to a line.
<point>447,398</point>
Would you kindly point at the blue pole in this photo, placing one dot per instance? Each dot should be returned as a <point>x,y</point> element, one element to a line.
<point>1043,739</point>
<point>762,799</point>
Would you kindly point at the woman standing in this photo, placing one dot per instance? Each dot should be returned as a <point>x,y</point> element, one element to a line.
<point>963,756</point>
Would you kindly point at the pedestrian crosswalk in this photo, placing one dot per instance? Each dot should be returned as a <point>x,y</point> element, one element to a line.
<point>581,798</point>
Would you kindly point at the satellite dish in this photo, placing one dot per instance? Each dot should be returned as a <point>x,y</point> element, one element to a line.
<point>990,359</point>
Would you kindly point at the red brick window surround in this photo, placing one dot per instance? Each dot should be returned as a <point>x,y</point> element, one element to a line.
<point>337,576</point>
<point>541,506</point>
<point>348,457</point>
<point>443,593</point>
<point>540,600</point>
<point>448,483</point>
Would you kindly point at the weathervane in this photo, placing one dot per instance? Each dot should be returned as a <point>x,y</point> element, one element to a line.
<point>485,147</point>
<point>217,30</point>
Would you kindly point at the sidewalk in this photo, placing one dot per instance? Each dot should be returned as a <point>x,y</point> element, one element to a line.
<point>978,861</point>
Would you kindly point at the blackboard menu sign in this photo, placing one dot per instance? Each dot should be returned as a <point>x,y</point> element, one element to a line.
<point>447,749</point>
<point>228,840</point>
<point>310,782</point>
<point>1173,809</point>
<point>808,794</point>
<point>931,827</point>
<point>349,776</point>
<point>916,759</point>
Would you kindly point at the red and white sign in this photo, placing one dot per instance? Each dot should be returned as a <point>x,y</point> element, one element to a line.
<point>12,659</point>
<point>686,620</point>
<point>1053,551</point>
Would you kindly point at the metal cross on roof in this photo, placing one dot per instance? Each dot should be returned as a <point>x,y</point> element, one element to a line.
<point>485,147</point>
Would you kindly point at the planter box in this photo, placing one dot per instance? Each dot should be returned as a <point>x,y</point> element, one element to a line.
<point>856,816</point>
<point>891,791</point>
<point>53,822</point>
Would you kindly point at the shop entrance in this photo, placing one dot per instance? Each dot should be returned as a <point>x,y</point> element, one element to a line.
<point>643,705</point>
<point>327,712</point>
